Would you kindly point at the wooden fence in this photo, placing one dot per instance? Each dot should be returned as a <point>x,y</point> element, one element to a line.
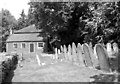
<point>88,56</point>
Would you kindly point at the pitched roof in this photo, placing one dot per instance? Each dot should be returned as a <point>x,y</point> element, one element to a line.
<point>29,33</point>
<point>28,29</point>
<point>24,37</point>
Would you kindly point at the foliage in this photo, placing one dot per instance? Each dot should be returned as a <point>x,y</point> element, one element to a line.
<point>21,22</point>
<point>79,22</point>
<point>7,22</point>
<point>60,20</point>
<point>71,21</point>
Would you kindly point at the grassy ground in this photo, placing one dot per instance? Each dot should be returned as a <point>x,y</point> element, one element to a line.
<point>58,72</point>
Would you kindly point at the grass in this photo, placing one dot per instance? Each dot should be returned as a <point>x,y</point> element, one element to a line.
<point>58,72</point>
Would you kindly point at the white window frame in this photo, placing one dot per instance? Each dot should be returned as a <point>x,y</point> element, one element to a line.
<point>22,46</point>
<point>14,46</point>
<point>40,47</point>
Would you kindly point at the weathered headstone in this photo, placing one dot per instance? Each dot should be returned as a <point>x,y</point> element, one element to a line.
<point>109,49</point>
<point>90,44</point>
<point>65,52</point>
<point>61,48</point>
<point>38,60</point>
<point>80,55</point>
<point>88,60</point>
<point>69,53</point>
<point>93,57</point>
<point>74,54</point>
<point>56,53</point>
<point>61,56</point>
<point>115,48</point>
<point>102,57</point>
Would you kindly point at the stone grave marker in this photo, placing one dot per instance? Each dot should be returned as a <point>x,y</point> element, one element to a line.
<point>69,53</point>
<point>86,51</point>
<point>80,55</point>
<point>109,49</point>
<point>65,52</point>
<point>93,57</point>
<point>102,57</point>
<point>115,48</point>
<point>56,53</point>
<point>74,54</point>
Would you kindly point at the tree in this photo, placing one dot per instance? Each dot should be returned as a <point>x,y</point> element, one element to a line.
<point>79,22</point>
<point>21,21</point>
<point>7,22</point>
<point>61,20</point>
<point>30,17</point>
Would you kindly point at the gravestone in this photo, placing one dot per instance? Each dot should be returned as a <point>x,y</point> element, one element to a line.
<point>102,57</point>
<point>115,48</point>
<point>69,53</point>
<point>74,54</point>
<point>116,55</point>
<point>61,48</point>
<point>93,57</point>
<point>65,52</point>
<point>56,53</point>
<point>109,49</point>
<point>86,51</point>
<point>90,44</point>
<point>38,60</point>
<point>80,55</point>
<point>61,56</point>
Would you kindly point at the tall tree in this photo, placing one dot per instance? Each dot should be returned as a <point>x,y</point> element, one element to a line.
<point>7,22</point>
<point>21,21</point>
<point>78,21</point>
<point>61,19</point>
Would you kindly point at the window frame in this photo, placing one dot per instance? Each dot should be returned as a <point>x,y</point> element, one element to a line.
<point>14,45</point>
<point>22,45</point>
<point>38,45</point>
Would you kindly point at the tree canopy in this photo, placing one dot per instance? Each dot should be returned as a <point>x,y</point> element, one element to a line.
<point>78,21</point>
<point>68,21</point>
<point>7,22</point>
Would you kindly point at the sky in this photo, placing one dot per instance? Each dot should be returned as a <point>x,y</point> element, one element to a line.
<point>15,6</point>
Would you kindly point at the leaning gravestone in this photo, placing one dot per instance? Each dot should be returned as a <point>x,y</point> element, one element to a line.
<point>80,55</point>
<point>86,51</point>
<point>109,49</point>
<point>38,60</point>
<point>102,57</point>
<point>69,53</point>
<point>74,55</point>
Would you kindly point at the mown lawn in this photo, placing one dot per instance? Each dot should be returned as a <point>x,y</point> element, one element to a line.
<point>58,72</point>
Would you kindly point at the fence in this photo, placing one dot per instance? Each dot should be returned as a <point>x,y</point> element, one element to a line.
<point>88,56</point>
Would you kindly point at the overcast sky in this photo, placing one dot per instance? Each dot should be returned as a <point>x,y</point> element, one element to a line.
<point>15,6</point>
